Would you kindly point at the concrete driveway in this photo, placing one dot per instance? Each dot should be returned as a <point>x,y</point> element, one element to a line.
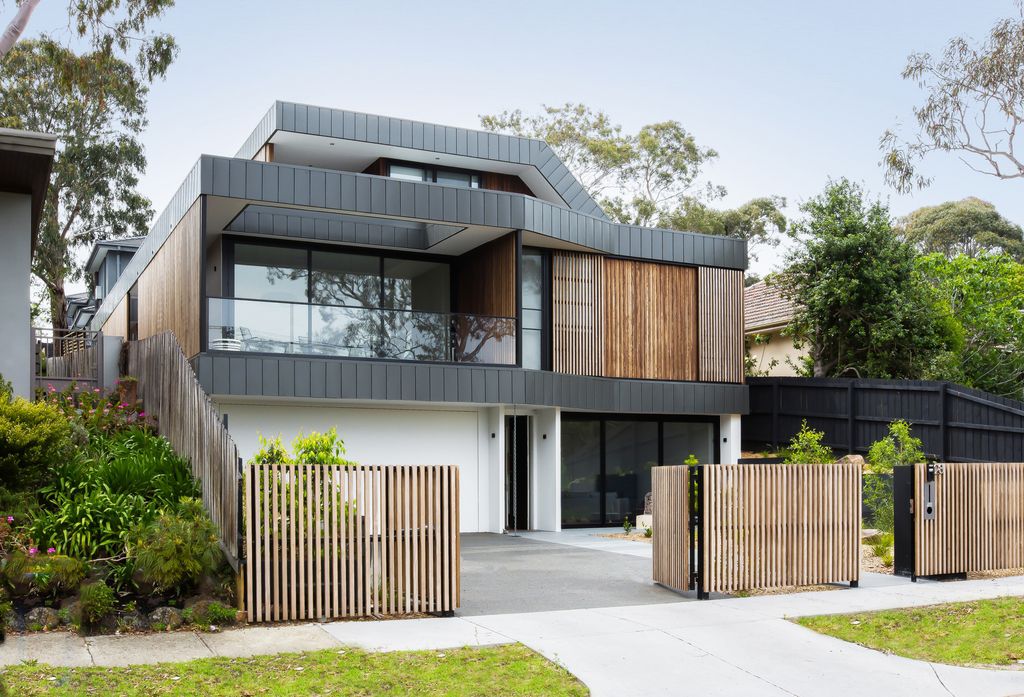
<point>504,574</point>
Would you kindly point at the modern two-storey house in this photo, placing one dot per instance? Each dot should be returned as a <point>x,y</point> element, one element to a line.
<point>445,295</point>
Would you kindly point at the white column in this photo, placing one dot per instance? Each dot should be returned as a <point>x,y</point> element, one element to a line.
<point>546,472</point>
<point>15,308</point>
<point>729,438</point>
<point>492,470</point>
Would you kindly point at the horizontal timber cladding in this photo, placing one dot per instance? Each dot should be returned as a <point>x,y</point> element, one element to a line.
<point>670,508</point>
<point>770,526</point>
<point>650,323</point>
<point>485,279</point>
<point>720,302</point>
<point>978,522</point>
<point>169,286</point>
<point>339,378</point>
<point>576,284</point>
<point>327,541</point>
<point>117,321</point>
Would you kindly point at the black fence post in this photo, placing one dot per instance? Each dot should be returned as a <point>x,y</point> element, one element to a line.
<point>697,530</point>
<point>903,521</point>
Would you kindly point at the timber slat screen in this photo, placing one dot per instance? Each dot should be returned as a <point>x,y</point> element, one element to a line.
<point>720,330</point>
<point>326,541</point>
<point>188,419</point>
<point>671,519</point>
<point>576,313</point>
<point>977,522</point>
<point>771,526</point>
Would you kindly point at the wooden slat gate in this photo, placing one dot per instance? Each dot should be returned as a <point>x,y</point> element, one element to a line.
<point>756,526</point>
<point>327,541</point>
<point>967,517</point>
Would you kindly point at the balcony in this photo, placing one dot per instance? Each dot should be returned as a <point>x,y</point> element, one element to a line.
<point>269,326</point>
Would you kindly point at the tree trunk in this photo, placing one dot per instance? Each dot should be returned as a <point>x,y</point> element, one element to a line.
<point>58,305</point>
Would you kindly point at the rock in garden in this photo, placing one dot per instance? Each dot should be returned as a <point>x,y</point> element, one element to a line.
<point>42,617</point>
<point>166,617</point>
<point>134,621</point>
<point>852,459</point>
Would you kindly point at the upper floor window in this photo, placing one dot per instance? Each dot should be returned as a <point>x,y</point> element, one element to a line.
<point>448,177</point>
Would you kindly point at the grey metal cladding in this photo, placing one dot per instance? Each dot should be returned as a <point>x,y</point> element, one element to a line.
<point>324,121</point>
<point>348,192</point>
<point>338,378</point>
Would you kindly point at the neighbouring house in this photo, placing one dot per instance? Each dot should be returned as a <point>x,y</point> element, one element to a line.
<point>105,264</point>
<point>444,295</point>
<point>26,159</point>
<point>766,317</point>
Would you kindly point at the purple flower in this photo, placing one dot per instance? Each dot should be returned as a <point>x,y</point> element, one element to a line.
<point>32,551</point>
<point>96,390</point>
<point>51,550</point>
<point>142,414</point>
<point>10,519</point>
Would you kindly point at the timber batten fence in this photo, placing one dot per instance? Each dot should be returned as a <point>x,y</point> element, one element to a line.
<point>727,528</point>
<point>187,418</point>
<point>959,518</point>
<point>328,541</point>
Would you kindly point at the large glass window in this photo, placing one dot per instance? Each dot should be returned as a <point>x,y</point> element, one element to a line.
<point>533,309</point>
<point>581,472</point>
<point>450,178</point>
<point>423,286</point>
<point>607,463</point>
<point>682,439</point>
<point>412,174</point>
<point>346,279</point>
<point>265,272</point>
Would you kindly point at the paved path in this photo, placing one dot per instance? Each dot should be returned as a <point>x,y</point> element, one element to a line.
<point>717,647</point>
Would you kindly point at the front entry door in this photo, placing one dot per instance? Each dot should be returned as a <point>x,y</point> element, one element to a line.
<point>517,472</point>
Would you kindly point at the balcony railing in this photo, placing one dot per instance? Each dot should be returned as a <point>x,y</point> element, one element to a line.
<point>269,326</point>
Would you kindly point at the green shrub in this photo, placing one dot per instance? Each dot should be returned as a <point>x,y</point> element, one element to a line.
<point>142,463</point>
<point>271,452</point>
<point>42,574</point>
<point>691,460</point>
<point>898,448</point>
<point>319,449</point>
<point>33,437</point>
<point>207,612</point>
<point>177,548</point>
<point>6,389</point>
<point>806,448</point>
<point>648,532</point>
<point>96,601</point>
<point>90,523</point>
<point>627,526</point>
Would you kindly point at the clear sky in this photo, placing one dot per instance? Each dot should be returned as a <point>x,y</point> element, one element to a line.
<point>789,93</point>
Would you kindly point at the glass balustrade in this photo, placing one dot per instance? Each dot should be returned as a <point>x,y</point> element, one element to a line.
<point>359,332</point>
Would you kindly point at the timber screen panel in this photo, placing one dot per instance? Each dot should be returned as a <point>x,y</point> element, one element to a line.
<point>721,324</point>
<point>576,313</point>
<point>650,323</point>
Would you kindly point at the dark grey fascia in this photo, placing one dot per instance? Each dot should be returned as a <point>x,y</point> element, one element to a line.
<point>282,186</point>
<point>297,377</point>
<point>341,124</point>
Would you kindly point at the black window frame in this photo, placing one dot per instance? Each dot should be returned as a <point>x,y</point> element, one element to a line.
<point>432,170</point>
<point>602,418</point>
<point>546,332</point>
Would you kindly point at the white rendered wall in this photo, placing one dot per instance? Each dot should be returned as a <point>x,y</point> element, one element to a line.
<point>729,435</point>
<point>15,309</point>
<point>388,436</point>
<point>546,473</point>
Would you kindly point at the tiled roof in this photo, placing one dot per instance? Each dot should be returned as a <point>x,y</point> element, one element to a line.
<point>764,307</point>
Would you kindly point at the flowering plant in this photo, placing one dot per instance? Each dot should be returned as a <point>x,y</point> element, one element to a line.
<point>100,411</point>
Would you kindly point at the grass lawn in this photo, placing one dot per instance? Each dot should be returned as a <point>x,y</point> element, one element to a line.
<point>501,670</point>
<point>985,632</point>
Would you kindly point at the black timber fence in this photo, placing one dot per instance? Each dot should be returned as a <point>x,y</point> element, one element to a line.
<point>955,423</point>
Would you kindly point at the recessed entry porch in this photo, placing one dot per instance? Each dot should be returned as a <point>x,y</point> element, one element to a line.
<point>567,570</point>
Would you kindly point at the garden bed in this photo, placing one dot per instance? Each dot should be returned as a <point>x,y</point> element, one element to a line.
<point>101,525</point>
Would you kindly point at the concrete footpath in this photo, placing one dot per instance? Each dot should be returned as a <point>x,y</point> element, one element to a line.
<point>741,646</point>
